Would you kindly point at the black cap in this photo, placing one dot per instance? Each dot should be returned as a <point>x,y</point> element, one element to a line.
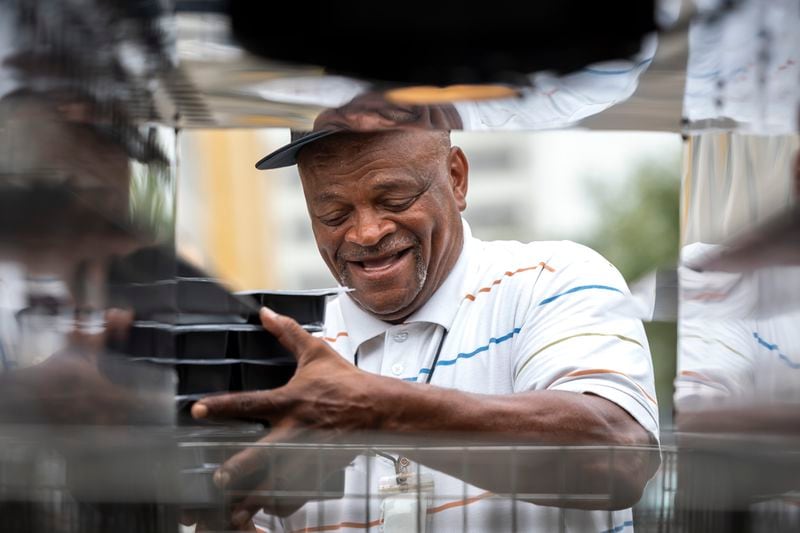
<point>366,113</point>
<point>286,155</point>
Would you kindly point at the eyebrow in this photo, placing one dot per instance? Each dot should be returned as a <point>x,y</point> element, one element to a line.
<point>331,196</point>
<point>383,187</point>
<point>327,196</point>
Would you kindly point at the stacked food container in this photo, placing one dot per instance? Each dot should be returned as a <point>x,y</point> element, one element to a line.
<point>212,338</point>
<point>214,341</point>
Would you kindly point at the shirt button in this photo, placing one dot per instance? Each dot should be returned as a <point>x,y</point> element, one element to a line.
<point>400,337</point>
<point>397,369</point>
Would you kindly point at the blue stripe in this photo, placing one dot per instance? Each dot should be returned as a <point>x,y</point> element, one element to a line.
<point>617,529</point>
<point>774,348</point>
<point>576,289</point>
<point>764,343</point>
<point>473,353</point>
<point>716,73</point>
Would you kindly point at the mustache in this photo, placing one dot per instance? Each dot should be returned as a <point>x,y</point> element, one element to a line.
<point>354,252</point>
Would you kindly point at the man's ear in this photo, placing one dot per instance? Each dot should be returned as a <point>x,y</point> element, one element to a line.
<point>459,176</point>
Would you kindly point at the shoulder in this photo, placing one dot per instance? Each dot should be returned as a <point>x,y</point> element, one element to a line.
<point>537,270</point>
<point>558,255</point>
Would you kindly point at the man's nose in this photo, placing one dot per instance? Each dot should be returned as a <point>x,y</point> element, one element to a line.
<point>369,228</point>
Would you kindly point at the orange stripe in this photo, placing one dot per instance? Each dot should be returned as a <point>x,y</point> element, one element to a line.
<point>334,339</point>
<point>340,525</point>
<point>690,374</point>
<point>541,264</point>
<point>365,525</point>
<point>707,296</point>
<point>700,377</point>
<point>606,371</point>
<point>460,503</point>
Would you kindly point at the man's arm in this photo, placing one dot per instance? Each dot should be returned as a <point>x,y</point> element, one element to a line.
<point>556,418</point>
<point>329,394</point>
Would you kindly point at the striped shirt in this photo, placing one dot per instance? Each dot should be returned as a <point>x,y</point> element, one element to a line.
<point>738,335</point>
<point>519,317</point>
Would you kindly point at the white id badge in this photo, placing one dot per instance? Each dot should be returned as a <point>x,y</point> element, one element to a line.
<point>405,498</point>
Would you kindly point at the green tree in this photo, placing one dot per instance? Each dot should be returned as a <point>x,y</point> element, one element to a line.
<point>638,227</point>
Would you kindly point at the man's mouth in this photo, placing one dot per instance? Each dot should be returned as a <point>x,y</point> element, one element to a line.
<point>379,264</point>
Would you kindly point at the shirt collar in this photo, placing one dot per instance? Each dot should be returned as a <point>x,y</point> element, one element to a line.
<point>440,309</point>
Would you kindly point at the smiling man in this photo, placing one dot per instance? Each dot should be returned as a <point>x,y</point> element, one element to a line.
<point>446,334</point>
<point>394,233</point>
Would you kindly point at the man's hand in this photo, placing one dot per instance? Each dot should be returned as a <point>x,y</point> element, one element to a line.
<point>326,395</point>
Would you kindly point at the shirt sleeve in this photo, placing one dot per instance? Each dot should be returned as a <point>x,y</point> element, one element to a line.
<point>576,336</point>
<point>716,361</point>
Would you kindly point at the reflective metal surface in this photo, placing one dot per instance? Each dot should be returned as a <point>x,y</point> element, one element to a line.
<point>742,68</point>
<point>682,78</point>
<point>240,90</point>
<point>739,283</point>
<point>739,288</point>
<point>118,123</point>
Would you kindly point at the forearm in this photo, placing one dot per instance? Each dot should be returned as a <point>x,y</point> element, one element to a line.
<point>545,474</point>
<point>536,417</point>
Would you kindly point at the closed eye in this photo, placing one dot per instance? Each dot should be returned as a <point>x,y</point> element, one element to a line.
<point>399,205</point>
<point>333,219</point>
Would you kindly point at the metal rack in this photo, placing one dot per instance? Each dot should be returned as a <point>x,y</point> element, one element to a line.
<point>135,481</point>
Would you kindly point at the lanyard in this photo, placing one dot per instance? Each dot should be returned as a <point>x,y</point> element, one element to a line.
<point>404,481</point>
<point>433,365</point>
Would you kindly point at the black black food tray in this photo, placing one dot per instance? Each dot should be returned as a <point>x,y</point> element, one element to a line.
<point>259,344</point>
<point>150,340</point>
<point>205,296</point>
<point>144,299</point>
<point>213,358</point>
<point>306,307</point>
<point>181,296</point>
<point>200,379</point>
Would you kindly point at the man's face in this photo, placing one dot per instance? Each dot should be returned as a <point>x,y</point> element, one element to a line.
<point>385,210</point>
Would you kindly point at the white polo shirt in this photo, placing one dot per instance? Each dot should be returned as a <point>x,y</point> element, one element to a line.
<point>738,335</point>
<point>519,317</point>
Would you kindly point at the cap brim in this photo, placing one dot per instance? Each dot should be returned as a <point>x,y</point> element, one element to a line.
<point>286,156</point>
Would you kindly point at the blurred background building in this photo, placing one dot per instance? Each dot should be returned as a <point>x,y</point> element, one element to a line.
<point>523,186</point>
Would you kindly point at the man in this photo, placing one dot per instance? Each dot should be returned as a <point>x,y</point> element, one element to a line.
<point>445,333</point>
